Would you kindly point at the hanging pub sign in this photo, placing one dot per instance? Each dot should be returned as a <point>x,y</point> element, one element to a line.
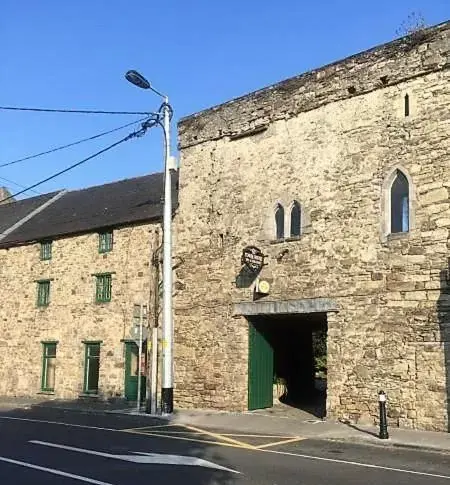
<point>252,258</point>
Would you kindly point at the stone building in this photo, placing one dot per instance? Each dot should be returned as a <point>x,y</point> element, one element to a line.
<point>75,268</point>
<point>340,177</point>
<point>5,194</point>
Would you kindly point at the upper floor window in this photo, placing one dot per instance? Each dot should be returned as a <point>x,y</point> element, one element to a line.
<point>105,241</point>
<point>46,250</point>
<point>279,221</point>
<point>296,214</point>
<point>43,293</point>
<point>399,197</point>
<point>103,287</point>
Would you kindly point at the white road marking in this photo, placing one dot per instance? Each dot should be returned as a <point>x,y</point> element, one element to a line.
<point>60,423</point>
<point>53,471</point>
<point>143,458</point>
<point>356,463</point>
<point>308,457</point>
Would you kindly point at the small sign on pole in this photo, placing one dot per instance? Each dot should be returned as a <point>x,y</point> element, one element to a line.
<point>135,331</point>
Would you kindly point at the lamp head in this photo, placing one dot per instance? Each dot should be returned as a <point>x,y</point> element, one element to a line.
<point>137,79</point>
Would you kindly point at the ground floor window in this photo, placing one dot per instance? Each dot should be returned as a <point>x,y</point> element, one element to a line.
<point>91,367</point>
<point>48,366</point>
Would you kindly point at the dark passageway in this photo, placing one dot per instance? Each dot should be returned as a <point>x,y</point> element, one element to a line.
<point>298,344</point>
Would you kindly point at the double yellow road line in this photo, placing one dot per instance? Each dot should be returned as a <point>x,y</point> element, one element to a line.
<point>195,434</point>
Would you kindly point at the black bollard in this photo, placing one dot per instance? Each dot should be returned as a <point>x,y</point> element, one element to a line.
<point>384,435</point>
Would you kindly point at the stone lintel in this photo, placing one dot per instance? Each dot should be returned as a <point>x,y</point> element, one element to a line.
<point>285,307</point>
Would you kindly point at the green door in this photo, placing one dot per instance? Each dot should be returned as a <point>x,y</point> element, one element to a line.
<point>132,370</point>
<point>260,370</point>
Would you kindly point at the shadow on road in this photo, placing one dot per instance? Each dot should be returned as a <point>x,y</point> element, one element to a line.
<point>95,419</point>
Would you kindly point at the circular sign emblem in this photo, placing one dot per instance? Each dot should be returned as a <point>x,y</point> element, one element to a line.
<point>253,258</point>
<point>263,287</point>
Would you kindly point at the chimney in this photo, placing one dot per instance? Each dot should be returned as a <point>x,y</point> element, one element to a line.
<point>4,193</point>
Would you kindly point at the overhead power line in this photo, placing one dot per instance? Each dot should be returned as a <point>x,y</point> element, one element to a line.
<point>18,185</point>
<point>76,111</point>
<point>52,150</point>
<point>134,134</point>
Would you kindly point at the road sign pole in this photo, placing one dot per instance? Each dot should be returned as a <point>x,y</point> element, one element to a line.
<point>154,370</point>
<point>138,406</point>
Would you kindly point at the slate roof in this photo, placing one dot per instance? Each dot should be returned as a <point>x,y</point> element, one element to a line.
<point>115,204</point>
<point>12,212</point>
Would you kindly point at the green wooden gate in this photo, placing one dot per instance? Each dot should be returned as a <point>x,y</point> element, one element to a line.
<point>260,370</point>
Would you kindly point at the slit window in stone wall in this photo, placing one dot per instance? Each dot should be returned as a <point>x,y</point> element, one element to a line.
<point>399,203</point>
<point>406,105</point>
<point>296,216</point>
<point>279,222</point>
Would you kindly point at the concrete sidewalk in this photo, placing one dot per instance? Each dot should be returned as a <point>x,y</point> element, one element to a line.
<point>275,421</point>
<point>313,429</point>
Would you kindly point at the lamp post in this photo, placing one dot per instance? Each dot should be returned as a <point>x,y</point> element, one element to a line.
<point>167,329</point>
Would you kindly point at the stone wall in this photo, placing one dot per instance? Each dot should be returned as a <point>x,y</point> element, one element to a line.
<point>332,151</point>
<point>5,193</point>
<point>387,65</point>
<point>72,316</point>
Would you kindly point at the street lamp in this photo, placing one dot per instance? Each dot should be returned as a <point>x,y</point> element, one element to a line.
<point>167,328</point>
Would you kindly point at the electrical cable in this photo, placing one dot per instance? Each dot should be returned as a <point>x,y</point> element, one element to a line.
<point>52,150</point>
<point>147,124</point>
<point>76,111</point>
<point>18,185</point>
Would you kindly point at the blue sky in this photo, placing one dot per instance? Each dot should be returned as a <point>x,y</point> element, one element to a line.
<point>73,54</point>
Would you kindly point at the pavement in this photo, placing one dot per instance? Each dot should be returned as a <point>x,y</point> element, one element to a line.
<point>279,420</point>
<point>54,446</point>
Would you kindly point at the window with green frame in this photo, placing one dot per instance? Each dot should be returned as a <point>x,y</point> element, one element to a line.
<point>46,250</point>
<point>43,293</point>
<point>105,241</point>
<point>103,287</point>
<point>48,366</point>
<point>91,367</point>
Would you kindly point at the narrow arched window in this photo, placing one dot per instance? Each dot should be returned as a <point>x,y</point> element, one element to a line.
<point>296,215</point>
<point>279,222</point>
<point>400,203</point>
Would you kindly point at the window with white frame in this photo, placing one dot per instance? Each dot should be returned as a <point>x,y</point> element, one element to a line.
<point>399,203</point>
<point>91,367</point>
<point>48,366</point>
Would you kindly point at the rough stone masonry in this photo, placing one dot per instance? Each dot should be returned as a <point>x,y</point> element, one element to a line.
<point>330,139</point>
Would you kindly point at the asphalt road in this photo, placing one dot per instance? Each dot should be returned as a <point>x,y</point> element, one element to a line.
<point>47,446</point>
